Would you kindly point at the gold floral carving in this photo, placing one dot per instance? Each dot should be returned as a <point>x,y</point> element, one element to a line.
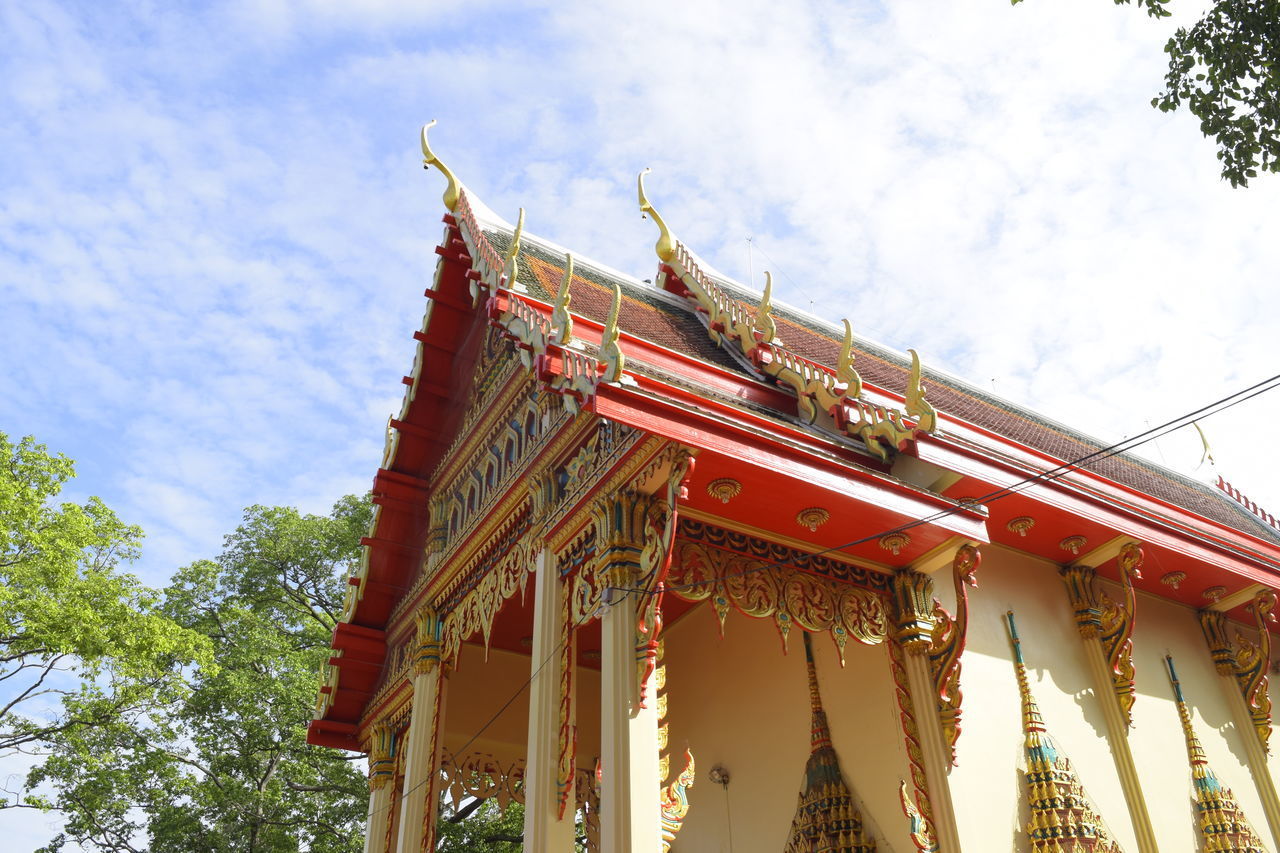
<point>763,590</point>
<point>477,609</point>
<point>813,517</point>
<point>1021,525</point>
<point>1213,593</point>
<point>1173,579</point>
<point>895,542</point>
<point>1074,544</point>
<point>827,397</point>
<point>724,489</point>
<point>675,801</point>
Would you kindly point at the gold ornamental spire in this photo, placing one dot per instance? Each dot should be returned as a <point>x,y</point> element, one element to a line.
<point>1063,818</point>
<point>1220,821</point>
<point>827,819</point>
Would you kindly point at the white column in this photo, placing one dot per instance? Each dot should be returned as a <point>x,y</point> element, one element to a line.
<point>375,831</point>
<point>544,830</point>
<point>630,808</point>
<point>422,745</point>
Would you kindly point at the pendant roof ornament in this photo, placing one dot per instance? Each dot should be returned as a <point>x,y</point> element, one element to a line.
<point>1063,817</point>
<point>1220,822</point>
<point>827,819</point>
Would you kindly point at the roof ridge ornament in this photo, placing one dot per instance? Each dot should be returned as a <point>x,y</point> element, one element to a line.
<point>610,351</point>
<point>666,245</point>
<point>845,371</point>
<point>561,319</point>
<point>429,159</point>
<point>765,327</point>
<point>510,266</point>
<point>916,405</point>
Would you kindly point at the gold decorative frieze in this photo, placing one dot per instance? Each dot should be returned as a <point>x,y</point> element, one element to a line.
<point>724,489</point>
<point>813,517</point>
<point>482,776</point>
<point>1220,821</point>
<point>830,398</point>
<point>766,590</point>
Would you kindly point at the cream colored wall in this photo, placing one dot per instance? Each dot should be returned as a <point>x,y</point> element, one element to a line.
<point>985,783</point>
<point>741,703</point>
<point>479,688</point>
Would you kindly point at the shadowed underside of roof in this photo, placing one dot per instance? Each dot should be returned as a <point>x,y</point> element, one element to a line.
<point>661,318</point>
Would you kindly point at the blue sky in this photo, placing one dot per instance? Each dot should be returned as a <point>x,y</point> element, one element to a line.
<point>215,229</point>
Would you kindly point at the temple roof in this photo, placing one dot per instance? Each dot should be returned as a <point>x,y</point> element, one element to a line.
<point>668,321</point>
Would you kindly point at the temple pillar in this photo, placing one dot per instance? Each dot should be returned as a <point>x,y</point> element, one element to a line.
<point>913,595</point>
<point>630,803</point>
<point>381,779</point>
<point>417,825</point>
<point>1088,609</point>
<point>548,822</point>
<point>1233,674</point>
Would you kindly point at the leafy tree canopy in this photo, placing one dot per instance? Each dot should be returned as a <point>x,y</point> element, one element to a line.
<point>226,766</point>
<point>1226,70</point>
<point>80,641</point>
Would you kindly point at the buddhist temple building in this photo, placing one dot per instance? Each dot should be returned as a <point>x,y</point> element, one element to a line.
<point>678,567</point>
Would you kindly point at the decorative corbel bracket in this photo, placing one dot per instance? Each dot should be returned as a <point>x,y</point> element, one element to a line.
<point>1099,616</point>
<point>1246,661</point>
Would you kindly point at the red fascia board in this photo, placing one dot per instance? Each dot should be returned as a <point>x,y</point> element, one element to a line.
<point>359,643</point>
<point>722,436</point>
<point>333,734</point>
<point>1154,531</point>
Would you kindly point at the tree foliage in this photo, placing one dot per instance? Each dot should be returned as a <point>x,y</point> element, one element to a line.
<point>225,767</point>
<point>1226,71</point>
<point>81,643</point>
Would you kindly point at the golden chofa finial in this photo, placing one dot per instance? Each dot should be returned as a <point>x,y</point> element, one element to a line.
<point>510,267</point>
<point>666,245</point>
<point>845,371</point>
<point>916,405</point>
<point>610,351</point>
<point>561,319</point>
<point>429,159</point>
<point>765,325</point>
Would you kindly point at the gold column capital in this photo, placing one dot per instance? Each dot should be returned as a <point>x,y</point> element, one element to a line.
<point>426,656</point>
<point>1083,593</point>
<point>382,763</point>
<point>913,610</point>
